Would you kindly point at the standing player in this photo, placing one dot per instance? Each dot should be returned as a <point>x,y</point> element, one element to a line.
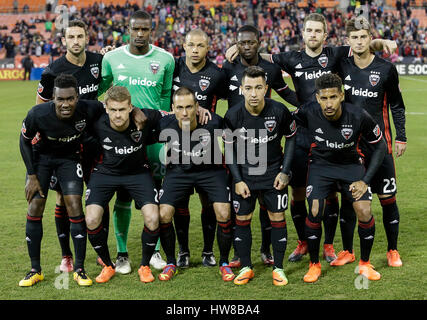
<point>196,72</point>
<point>50,141</point>
<point>373,84</point>
<point>248,45</point>
<point>85,66</point>
<point>335,158</point>
<point>195,162</point>
<point>146,71</point>
<point>260,124</point>
<point>123,166</point>
<point>305,67</point>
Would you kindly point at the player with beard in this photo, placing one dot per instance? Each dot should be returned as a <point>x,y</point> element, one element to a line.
<point>305,67</point>
<point>373,84</point>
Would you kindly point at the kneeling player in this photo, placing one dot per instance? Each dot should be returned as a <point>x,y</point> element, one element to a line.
<point>123,166</point>
<point>259,124</point>
<point>195,161</point>
<point>336,128</point>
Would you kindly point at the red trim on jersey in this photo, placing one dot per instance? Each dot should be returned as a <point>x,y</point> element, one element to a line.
<point>359,151</point>
<point>401,142</point>
<point>386,125</point>
<point>43,99</point>
<point>213,106</point>
<point>281,89</point>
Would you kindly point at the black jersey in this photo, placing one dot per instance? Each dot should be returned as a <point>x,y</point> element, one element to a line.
<point>304,71</point>
<point>56,137</point>
<point>196,150</point>
<point>88,76</point>
<point>124,153</point>
<point>376,89</point>
<point>209,83</point>
<point>337,141</point>
<point>252,132</point>
<point>234,73</point>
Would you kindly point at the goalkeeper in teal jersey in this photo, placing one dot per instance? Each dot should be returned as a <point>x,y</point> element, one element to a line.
<point>146,71</point>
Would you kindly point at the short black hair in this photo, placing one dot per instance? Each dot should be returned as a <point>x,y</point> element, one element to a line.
<point>76,23</point>
<point>184,91</point>
<point>65,80</point>
<point>254,72</point>
<point>328,80</point>
<point>249,28</point>
<point>141,14</point>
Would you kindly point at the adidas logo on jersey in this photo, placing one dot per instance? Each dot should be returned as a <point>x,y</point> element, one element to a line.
<point>311,75</point>
<point>88,89</point>
<point>125,150</point>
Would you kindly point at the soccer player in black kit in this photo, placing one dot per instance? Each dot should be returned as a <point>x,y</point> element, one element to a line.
<point>336,129</point>
<point>208,82</point>
<point>373,84</point>
<point>258,124</point>
<point>248,44</point>
<point>85,66</point>
<point>123,165</point>
<point>194,160</point>
<point>50,141</point>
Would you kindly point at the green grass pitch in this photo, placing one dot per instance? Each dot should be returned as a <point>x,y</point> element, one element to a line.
<point>198,282</point>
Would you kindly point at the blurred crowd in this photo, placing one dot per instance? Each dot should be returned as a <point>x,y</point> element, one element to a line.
<point>107,25</point>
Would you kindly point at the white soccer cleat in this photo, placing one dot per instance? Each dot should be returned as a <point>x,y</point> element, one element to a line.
<point>123,265</point>
<point>157,262</point>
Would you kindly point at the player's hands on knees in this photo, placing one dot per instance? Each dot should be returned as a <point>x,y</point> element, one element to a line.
<point>242,190</point>
<point>138,118</point>
<point>231,53</point>
<point>399,148</point>
<point>281,181</point>
<point>358,189</point>
<point>104,50</point>
<point>32,187</point>
<point>204,115</point>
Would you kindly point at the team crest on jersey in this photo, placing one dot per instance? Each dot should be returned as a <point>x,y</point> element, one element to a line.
<point>236,206</point>
<point>87,194</point>
<point>154,67</point>
<point>205,139</point>
<point>377,131</point>
<point>80,125</point>
<point>270,125</point>
<point>323,60</point>
<point>95,72</point>
<point>204,84</point>
<point>293,126</point>
<point>308,191</point>
<point>346,133</point>
<point>136,136</point>
<point>374,79</point>
<point>40,88</point>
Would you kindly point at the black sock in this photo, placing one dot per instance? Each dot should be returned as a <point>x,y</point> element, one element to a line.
<point>367,235</point>
<point>78,234</point>
<point>98,239</point>
<point>208,226</point>
<point>347,224</point>
<point>279,235</point>
<point>224,238</point>
<point>265,229</point>
<point>106,219</point>
<point>34,235</point>
<point>233,231</point>
<point>313,233</point>
<point>149,240</point>
<point>182,225</point>
<point>330,219</point>
<point>167,240</point>
<point>243,242</point>
<point>63,229</point>
<point>391,219</point>
<point>299,214</point>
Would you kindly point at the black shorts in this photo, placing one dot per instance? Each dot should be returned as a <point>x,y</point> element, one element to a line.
<point>324,178</point>
<point>102,187</point>
<point>299,168</point>
<point>273,200</point>
<point>68,174</point>
<point>179,184</point>
<point>384,180</point>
